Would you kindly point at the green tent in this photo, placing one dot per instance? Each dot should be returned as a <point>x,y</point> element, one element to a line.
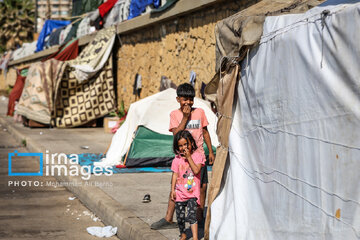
<point>151,149</point>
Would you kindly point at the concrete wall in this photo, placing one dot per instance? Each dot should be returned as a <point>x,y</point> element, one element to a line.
<point>172,48</point>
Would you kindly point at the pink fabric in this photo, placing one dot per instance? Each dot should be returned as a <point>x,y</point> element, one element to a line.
<point>187,184</point>
<point>195,125</point>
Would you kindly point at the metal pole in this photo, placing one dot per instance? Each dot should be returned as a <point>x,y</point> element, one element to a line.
<point>36,15</point>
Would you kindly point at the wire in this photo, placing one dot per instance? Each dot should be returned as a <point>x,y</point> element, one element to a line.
<point>249,173</point>
<point>298,179</point>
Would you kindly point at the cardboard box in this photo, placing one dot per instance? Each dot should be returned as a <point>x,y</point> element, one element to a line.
<point>109,123</point>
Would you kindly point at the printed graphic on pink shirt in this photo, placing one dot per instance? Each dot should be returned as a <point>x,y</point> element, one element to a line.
<point>187,184</point>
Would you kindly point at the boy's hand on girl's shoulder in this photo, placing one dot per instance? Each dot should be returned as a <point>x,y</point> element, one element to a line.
<point>211,158</point>
<point>173,195</point>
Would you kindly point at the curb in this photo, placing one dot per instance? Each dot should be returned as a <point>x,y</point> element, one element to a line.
<point>111,212</point>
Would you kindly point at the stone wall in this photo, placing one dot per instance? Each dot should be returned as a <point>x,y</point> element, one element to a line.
<point>172,49</point>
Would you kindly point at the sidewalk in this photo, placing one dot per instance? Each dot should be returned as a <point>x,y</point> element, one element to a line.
<point>116,199</point>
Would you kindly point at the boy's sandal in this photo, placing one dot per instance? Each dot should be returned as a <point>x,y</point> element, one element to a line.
<point>163,224</point>
<point>146,198</point>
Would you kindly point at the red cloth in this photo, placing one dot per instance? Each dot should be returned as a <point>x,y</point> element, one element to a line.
<point>120,166</point>
<point>15,92</point>
<point>106,6</point>
<point>69,53</point>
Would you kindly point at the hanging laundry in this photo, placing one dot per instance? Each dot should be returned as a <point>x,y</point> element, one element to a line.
<point>192,78</point>
<point>26,50</point>
<point>138,6</point>
<point>5,62</point>
<point>72,32</point>
<point>106,7</point>
<point>96,19</point>
<point>55,36</point>
<point>94,56</point>
<point>46,42</point>
<point>93,16</point>
<point>137,85</point>
<point>166,83</point>
<point>84,6</point>
<point>90,5</point>
<point>78,103</point>
<point>64,33</point>
<point>202,90</point>
<point>36,101</point>
<point>167,5</point>
<point>66,52</point>
<point>118,13</point>
<point>47,29</point>
<point>99,23</point>
<point>84,27</point>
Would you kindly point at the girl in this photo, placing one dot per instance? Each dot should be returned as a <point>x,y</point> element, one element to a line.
<point>185,183</point>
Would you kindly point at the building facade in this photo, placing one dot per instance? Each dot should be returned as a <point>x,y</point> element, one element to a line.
<point>52,9</point>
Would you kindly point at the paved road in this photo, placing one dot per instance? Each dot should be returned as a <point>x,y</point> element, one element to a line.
<point>37,212</point>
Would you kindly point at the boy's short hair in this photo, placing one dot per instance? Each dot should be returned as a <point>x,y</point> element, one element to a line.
<point>185,90</point>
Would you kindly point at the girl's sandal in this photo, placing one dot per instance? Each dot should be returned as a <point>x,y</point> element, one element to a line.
<point>146,198</point>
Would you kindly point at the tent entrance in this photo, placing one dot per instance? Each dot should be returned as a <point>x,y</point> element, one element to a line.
<point>151,149</point>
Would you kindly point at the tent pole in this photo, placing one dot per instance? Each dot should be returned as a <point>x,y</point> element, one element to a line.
<point>127,153</point>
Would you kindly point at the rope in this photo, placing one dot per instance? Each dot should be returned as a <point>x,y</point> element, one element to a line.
<point>118,35</point>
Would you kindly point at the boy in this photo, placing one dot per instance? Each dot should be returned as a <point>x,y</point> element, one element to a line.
<point>194,121</point>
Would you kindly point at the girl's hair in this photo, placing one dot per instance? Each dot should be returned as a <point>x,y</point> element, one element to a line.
<point>186,135</point>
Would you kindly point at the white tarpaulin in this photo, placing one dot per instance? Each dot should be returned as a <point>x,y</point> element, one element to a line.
<point>25,50</point>
<point>152,112</point>
<point>293,170</point>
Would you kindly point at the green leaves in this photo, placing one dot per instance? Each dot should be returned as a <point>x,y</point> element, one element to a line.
<point>17,19</point>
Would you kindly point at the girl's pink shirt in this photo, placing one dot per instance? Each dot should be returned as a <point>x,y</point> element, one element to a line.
<point>187,184</point>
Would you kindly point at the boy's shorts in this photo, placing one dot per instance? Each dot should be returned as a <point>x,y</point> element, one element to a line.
<point>204,175</point>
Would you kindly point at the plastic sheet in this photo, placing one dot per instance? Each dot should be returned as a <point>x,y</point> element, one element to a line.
<point>295,138</point>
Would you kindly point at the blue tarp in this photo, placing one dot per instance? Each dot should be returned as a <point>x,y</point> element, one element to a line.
<point>337,2</point>
<point>49,25</point>
<point>138,6</point>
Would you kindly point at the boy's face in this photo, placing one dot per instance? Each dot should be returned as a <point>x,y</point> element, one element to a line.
<point>185,101</point>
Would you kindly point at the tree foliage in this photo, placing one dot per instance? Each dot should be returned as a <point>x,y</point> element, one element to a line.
<point>16,23</point>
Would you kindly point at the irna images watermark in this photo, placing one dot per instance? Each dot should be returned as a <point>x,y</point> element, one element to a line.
<point>57,164</point>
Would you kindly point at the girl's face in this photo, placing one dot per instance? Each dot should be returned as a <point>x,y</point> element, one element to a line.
<point>184,144</point>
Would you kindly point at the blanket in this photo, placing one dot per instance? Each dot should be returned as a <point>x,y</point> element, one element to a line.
<point>78,103</point>
<point>94,56</point>
<point>36,101</point>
